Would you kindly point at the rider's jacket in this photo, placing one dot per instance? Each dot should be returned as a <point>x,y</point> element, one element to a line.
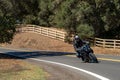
<point>77,44</point>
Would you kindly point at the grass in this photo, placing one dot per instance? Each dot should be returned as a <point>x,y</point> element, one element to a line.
<point>14,69</point>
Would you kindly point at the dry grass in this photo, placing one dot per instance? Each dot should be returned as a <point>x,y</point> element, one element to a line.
<point>12,68</point>
<point>99,50</point>
<point>39,42</point>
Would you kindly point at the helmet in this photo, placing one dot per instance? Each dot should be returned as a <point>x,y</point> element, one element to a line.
<point>76,37</point>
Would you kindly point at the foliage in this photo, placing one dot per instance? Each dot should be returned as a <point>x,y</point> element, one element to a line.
<point>102,16</point>
<point>45,12</point>
<point>85,31</point>
<point>7,28</point>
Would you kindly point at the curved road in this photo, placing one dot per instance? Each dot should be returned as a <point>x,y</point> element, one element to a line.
<point>108,67</point>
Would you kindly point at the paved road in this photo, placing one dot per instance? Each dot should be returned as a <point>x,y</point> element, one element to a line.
<point>107,68</point>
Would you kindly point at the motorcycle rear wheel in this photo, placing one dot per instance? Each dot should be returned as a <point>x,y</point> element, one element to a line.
<point>93,58</point>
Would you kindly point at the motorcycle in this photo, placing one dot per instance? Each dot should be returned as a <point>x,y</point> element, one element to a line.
<point>87,54</point>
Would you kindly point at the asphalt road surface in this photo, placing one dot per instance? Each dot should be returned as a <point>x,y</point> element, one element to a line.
<point>108,67</point>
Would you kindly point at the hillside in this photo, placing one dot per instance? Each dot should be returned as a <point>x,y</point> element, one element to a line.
<point>38,42</point>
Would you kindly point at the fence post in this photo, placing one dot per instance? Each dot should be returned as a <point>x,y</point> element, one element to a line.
<point>94,41</point>
<point>34,29</point>
<point>40,30</point>
<point>103,43</point>
<point>114,44</point>
<point>47,32</point>
<point>56,34</point>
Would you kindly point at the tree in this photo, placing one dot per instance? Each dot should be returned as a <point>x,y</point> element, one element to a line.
<point>65,15</point>
<point>85,31</point>
<point>101,17</point>
<point>45,12</point>
<point>7,28</point>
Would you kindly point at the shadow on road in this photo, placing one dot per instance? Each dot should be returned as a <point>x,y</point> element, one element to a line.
<point>34,54</point>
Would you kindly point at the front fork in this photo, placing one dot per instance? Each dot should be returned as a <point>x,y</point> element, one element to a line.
<point>80,55</point>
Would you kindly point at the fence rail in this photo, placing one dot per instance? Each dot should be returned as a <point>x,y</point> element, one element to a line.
<point>107,43</point>
<point>60,35</point>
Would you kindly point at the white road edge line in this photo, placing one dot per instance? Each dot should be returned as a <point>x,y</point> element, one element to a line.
<point>88,72</point>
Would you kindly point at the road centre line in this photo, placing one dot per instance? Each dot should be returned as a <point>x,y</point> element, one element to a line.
<point>106,59</point>
<point>79,69</point>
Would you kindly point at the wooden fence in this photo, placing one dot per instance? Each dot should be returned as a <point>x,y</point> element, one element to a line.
<point>60,35</point>
<point>107,43</point>
<point>52,33</point>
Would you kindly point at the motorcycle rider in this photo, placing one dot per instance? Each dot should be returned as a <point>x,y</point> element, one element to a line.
<point>79,47</point>
<point>78,43</point>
